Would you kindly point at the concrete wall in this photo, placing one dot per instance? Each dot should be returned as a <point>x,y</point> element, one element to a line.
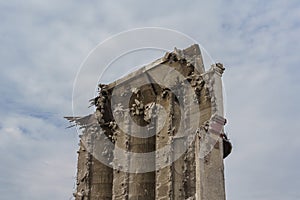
<point>197,171</point>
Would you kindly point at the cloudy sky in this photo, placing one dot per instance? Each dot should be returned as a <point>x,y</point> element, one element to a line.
<point>43,44</point>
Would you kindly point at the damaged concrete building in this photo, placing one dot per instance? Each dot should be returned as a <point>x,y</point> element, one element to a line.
<point>156,133</point>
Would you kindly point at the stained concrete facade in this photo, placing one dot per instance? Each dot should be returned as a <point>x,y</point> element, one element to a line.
<point>180,157</point>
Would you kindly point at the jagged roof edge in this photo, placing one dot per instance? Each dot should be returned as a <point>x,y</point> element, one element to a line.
<point>190,53</point>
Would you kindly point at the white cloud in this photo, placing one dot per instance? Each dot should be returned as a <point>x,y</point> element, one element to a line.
<point>37,159</point>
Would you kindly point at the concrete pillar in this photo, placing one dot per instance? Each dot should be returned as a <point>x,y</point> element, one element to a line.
<point>101,174</point>
<point>209,165</point>
<point>121,163</point>
<point>164,178</point>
